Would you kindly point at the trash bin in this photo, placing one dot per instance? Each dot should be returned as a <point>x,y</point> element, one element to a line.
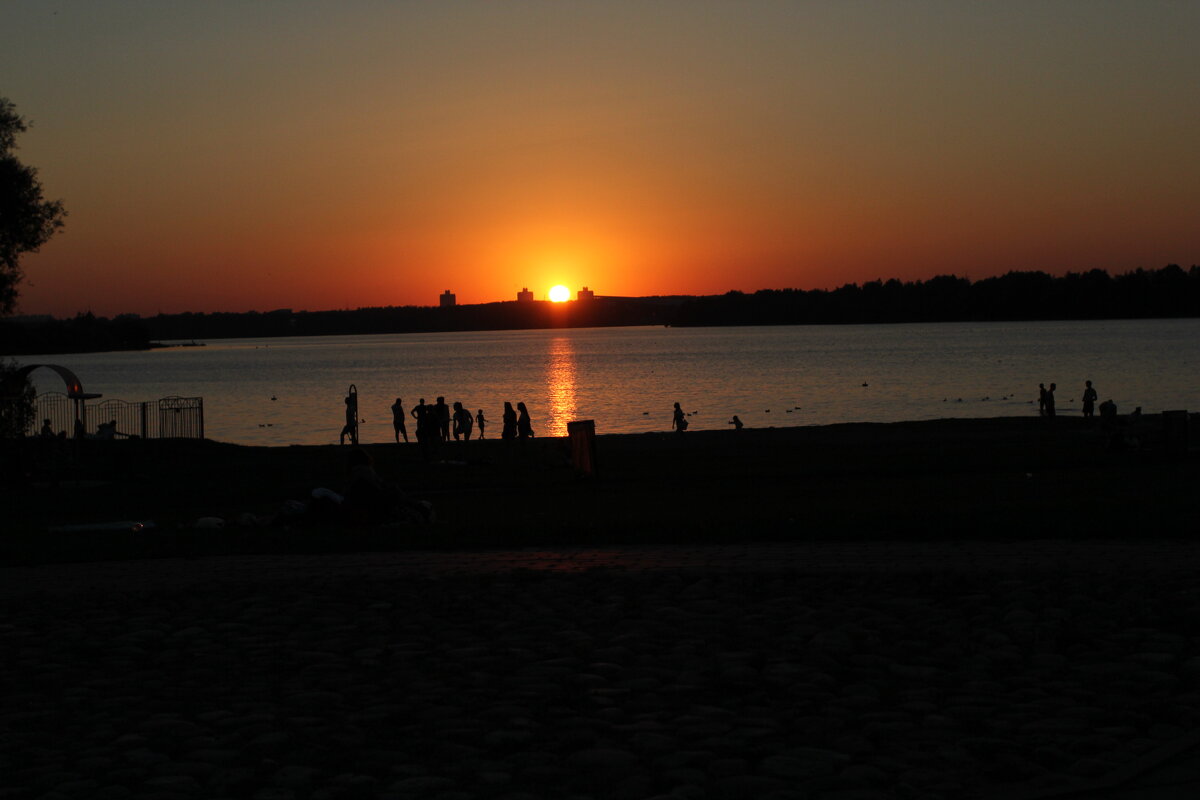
<point>582,434</point>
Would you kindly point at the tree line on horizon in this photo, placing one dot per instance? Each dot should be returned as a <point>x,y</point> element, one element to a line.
<point>1140,294</point>
<point>1167,292</point>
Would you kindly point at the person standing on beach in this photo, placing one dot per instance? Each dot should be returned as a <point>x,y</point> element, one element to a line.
<point>1041,399</point>
<point>1050,400</point>
<point>351,427</point>
<point>679,420</point>
<point>1089,399</point>
<point>442,419</point>
<point>524,425</point>
<point>509,429</point>
<point>480,421</point>
<point>419,413</point>
<point>398,421</point>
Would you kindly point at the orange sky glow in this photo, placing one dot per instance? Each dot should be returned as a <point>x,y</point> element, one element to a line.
<point>229,156</point>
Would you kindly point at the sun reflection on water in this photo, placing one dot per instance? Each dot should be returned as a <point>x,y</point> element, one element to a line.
<point>560,385</point>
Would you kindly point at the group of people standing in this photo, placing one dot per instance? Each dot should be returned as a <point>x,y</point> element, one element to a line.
<point>1046,406</point>
<point>438,422</point>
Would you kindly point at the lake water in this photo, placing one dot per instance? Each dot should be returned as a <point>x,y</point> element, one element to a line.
<point>626,379</point>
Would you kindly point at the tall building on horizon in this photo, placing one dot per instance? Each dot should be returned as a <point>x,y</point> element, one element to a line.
<point>524,296</point>
<point>447,299</point>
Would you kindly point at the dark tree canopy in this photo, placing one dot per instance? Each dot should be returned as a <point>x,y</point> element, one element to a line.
<point>27,220</point>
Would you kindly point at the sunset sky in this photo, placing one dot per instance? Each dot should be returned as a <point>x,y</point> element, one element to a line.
<point>311,155</point>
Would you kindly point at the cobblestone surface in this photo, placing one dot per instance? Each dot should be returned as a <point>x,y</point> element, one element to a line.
<point>824,671</point>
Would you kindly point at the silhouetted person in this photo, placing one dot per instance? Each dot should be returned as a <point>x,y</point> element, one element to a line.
<point>423,415</point>
<point>370,500</point>
<point>679,420</point>
<point>1089,399</point>
<point>398,425</point>
<point>80,431</point>
<point>1041,399</point>
<point>46,430</point>
<point>350,428</point>
<point>735,422</point>
<point>509,430</point>
<point>1108,412</point>
<point>462,423</point>
<point>524,425</point>
<point>442,416</point>
<point>1050,400</point>
<point>480,422</point>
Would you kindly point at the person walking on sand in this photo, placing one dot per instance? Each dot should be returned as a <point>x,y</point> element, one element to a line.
<point>509,420</point>
<point>679,420</point>
<point>524,425</point>
<point>1050,400</point>
<point>1089,399</point>
<point>1041,399</point>
<point>398,421</point>
<point>480,422</point>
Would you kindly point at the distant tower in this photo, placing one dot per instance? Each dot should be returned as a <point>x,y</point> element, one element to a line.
<point>524,296</point>
<point>585,294</point>
<point>447,300</point>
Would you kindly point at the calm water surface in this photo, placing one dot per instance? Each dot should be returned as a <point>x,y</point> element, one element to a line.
<point>627,378</point>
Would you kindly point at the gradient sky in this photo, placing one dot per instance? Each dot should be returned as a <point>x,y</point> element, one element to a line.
<point>258,155</point>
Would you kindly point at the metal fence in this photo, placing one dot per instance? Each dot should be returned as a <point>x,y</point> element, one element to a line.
<point>168,418</point>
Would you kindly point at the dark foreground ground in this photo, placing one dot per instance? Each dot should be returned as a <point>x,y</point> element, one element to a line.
<point>934,610</point>
<point>1010,479</point>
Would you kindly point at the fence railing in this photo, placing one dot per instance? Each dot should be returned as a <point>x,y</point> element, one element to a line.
<point>167,418</point>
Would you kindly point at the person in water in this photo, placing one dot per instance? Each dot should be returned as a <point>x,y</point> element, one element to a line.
<point>524,425</point>
<point>679,419</point>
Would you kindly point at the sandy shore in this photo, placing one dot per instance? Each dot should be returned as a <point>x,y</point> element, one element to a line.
<point>958,608</point>
<point>825,670</point>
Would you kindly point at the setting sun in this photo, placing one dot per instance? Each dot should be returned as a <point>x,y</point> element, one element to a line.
<point>560,294</point>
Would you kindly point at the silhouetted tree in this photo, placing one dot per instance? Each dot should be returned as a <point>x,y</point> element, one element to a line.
<point>27,220</point>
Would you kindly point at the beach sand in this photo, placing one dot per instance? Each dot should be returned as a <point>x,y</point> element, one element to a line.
<point>829,662</point>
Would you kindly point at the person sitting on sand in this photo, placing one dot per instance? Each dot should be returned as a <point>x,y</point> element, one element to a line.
<point>679,419</point>
<point>106,431</point>
<point>47,431</point>
<point>480,422</point>
<point>369,500</point>
<point>524,425</point>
